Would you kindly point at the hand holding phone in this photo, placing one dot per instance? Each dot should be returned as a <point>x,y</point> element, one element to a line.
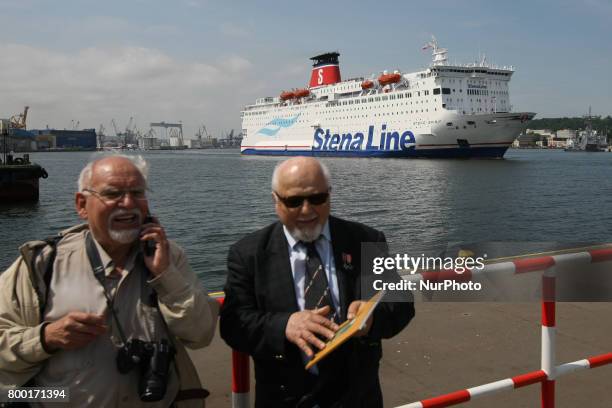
<point>155,247</point>
<point>149,245</point>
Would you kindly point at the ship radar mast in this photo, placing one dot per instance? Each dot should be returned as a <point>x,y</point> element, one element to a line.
<point>439,54</point>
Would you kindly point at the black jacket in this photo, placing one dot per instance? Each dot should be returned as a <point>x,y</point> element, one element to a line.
<point>260,297</point>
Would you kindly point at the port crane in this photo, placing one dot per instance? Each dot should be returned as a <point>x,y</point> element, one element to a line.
<point>115,127</point>
<point>19,121</point>
<point>101,136</point>
<point>171,130</point>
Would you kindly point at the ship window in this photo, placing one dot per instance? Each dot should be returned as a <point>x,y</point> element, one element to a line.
<point>436,91</point>
<point>449,123</point>
<point>446,91</point>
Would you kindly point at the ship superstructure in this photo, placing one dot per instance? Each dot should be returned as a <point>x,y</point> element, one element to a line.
<point>588,140</point>
<point>446,110</point>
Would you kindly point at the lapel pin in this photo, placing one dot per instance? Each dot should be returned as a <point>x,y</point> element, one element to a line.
<point>347,261</point>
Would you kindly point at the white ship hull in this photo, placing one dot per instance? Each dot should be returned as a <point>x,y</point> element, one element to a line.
<point>485,135</point>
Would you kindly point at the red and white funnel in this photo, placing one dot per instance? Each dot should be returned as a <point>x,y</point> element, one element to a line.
<point>325,70</point>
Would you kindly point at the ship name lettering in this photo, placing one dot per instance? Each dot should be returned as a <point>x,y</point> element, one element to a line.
<point>325,140</point>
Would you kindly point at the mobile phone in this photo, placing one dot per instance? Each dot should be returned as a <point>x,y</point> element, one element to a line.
<point>149,245</point>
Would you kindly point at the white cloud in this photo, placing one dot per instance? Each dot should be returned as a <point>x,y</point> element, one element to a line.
<point>97,84</point>
<point>236,64</point>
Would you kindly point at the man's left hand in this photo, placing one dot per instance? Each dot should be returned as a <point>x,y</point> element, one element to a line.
<point>160,260</point>
<point>353,310</point>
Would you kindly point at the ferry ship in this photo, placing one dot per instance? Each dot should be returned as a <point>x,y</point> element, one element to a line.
<point>446,110</point>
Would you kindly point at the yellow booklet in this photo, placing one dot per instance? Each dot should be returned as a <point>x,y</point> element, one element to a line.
<point>348,329</point>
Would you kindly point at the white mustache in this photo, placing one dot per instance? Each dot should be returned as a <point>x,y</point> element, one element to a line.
<point>119,212</point>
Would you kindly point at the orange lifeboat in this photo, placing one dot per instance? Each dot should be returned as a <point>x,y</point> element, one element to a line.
<point>301,93</point>
<point>286,95</point>
<point>367,84</point>
<point>387,79</point>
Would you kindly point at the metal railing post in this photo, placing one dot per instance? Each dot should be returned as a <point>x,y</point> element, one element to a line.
<point>548,338</point>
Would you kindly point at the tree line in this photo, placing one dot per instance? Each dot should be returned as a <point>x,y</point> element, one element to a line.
<point>600,124</point>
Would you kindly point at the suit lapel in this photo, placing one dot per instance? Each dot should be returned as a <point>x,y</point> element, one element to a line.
<point>345,261</point>
<point>278,270</point>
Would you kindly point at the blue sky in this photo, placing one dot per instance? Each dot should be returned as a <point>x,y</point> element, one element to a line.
<point>200,61</point>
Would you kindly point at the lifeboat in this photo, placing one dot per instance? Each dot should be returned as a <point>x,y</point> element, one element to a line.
<point>301,93</point>
<point>286,95</point>
<point>387,79</point>
<point>367,84</point>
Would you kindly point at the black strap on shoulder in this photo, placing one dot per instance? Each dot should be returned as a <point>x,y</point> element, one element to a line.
<point>94,259</point>
<point>52,243</point>
<point>98,270</point>
<point>48,273</point>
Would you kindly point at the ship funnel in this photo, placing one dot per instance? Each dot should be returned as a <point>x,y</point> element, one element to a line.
<point>325,70</point>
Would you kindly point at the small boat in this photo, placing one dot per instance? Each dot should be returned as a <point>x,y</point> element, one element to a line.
<point>386,79</point>
<point>286,95</point>
<point>367,84</point>
<point>18,176</point>
<point>301,93</point>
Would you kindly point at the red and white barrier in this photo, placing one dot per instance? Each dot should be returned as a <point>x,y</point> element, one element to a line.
<point>549,371</point>
<point>519,266</point>
<point>241,386</point>
<point>519,381</point>
<point>549,331</point>
<point>240,380</point>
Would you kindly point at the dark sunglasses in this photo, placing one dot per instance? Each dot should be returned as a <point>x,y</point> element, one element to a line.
<point>297,201</point>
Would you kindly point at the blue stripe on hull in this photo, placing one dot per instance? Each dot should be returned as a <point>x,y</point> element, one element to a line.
<point>451,153</point>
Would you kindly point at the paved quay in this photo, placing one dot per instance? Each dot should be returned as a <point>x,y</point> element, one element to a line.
<point>452,346</point>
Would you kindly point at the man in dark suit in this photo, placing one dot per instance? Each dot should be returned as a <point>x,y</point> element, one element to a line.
<point>269,311</point>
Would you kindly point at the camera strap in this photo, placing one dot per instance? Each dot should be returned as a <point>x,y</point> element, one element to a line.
<point>148,297</point>
<point>98,270</point>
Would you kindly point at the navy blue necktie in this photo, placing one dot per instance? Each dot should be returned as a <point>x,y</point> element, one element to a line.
<point>316,288</point>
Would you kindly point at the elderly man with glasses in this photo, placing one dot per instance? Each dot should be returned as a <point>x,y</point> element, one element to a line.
<point>105,309</point>
<point>289,287</point>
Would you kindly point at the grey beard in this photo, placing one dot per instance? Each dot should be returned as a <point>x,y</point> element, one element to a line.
<point>305,235</point>
<point>123,236</point>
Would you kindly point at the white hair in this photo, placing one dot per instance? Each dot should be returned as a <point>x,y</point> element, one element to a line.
<point>86,174</point>
<point>275,174</point>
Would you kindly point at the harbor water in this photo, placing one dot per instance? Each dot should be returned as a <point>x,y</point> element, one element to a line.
<point>208,199</point>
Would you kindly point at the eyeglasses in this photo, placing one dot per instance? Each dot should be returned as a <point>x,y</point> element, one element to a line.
<point>111,196</point>
<point>297,201</point>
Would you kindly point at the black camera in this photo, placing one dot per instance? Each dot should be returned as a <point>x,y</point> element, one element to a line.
<point>153,360</point>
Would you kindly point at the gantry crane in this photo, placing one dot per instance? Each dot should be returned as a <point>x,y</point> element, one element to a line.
<point>19,121</point>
